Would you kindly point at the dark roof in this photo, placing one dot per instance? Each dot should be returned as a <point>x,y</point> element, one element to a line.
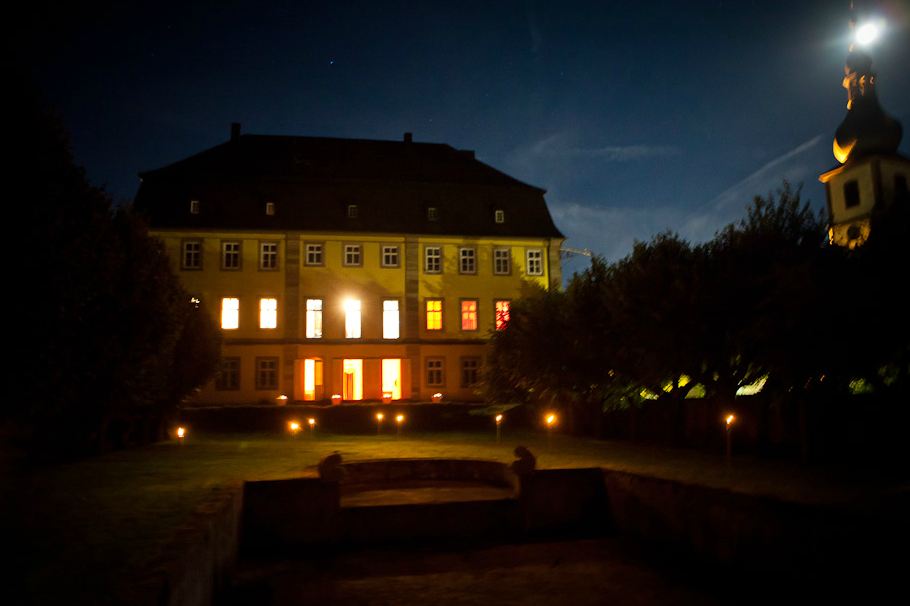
<point>312,180</point>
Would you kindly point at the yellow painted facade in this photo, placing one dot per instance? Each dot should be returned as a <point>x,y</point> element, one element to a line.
<point>287,361</point>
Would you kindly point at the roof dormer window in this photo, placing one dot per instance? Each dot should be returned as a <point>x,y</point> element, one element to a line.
<point>499,216</point>
<point>353,211</point>
<point>270,208</point>
<point>432,213</point>
<point>194,207</point>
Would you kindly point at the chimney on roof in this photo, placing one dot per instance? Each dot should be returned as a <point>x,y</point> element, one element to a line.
<point>235,131</point>
<point>409,137</point>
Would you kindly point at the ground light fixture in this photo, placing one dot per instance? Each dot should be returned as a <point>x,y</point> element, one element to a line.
<point>729,421</point>
<point>498,419</point>
<point>312,423</point>
<point>293,427</point>
<point>379,418</point>
<point>399,420</point>
<point>181,434</point>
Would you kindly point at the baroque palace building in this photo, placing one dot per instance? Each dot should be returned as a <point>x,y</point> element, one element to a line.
<point>345,267</point>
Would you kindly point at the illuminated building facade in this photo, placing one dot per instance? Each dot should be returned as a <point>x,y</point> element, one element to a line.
<point>363,269</point>
<point>871,176</point>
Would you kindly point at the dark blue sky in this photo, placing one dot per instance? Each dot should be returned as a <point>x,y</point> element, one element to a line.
<point>635,116</point>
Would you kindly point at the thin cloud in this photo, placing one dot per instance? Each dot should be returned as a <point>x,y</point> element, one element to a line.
<point>555,146</point>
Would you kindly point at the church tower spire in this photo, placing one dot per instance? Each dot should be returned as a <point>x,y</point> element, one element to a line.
<point>871,174</point>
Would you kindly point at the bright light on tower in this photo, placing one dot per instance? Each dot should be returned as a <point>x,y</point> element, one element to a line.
<point>868,33</point>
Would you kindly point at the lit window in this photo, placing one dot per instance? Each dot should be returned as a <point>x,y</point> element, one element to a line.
<point>314,254</point>
<point>230,255</point>
<point>268,313</point>
<point>434,314</point>
<point>470,370</point>
<point>500,216</point>
<point>351,319</point>
<point>266,373</point>
<point>230,313</point>
<point>502,314</point>
<point>268,255</point>
<point>469,315</point>
<point>432,214</point>
<point>228,377</point>
<point>391,377</point>
<point>390,256</point>
<point>435,374</point>
<point>192,255</point>
<point>390,320</point>
<point>502,261</point>
<point>353,211</point>
<point>535,262</point>
<point>194,207</point>
<point>467,260</point>
<point>314,318</point>
<point>352,254</point>
<point>270,208</point>
<point>433,259</point>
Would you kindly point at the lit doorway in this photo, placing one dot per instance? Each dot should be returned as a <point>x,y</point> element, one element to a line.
<point>312,379</point>
<point>391,378</point>
<point>352,387</point>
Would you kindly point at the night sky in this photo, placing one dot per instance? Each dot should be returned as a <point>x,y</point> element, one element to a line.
<point>637,117</point>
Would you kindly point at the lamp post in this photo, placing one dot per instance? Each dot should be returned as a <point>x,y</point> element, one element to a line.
<point>379,418</point>
<point>550,420</point>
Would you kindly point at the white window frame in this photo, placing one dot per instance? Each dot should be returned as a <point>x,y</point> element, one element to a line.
<point>502,261</point>
<point>268,250</point>
<point>534,266</point>
<point>270,208</point>
<point>194,207</point>
<point>227,253</point>
<point>390,255</point>
<point>432,213</point>
<point>313,326</point>
<point>350,253</point>
<point>432,255</point>
<point>197,254</point>
<point>499,216</point>
<point>435,366</point>
<point>353,211</point>
<point>467,260</point>
<point>314,254</point>
<point>353,319</point>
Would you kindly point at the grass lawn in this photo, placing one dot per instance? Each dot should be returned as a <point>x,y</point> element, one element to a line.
<point>88,526</point>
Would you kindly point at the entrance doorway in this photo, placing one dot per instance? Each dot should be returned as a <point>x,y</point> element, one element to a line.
<point>352,385</point>
<point>391,378</point>
<point>312,379</point>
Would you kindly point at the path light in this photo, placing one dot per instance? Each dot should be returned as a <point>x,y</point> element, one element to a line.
<point>379,418</point>
<point>498,428</point>
<point>293,427</point>
<point>181,434</point>
<point>312,423</point>
<point>550,420</point>
<point>729,421</point>
<point>399,419</point>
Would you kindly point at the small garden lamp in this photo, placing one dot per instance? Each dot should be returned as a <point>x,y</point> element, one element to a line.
<point>399,419</point>
<point>181,434</point>
<point>293,427</point>
<point>379,418</point>
<point>498,420</point>
<point>312,423</point>
<point>550,420</point>
<point>729,420</point>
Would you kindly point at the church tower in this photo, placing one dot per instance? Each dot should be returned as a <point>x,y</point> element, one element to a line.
<point>871,175</point>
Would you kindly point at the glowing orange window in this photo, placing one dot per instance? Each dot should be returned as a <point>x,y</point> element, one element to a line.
<point>502,314</point>
<point>469,315</point>
<point>434,314</point>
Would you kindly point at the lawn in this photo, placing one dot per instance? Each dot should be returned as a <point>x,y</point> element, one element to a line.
<point>88,526</point>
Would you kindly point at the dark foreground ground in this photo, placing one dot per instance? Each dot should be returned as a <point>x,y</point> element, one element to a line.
<point>602,571</point>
